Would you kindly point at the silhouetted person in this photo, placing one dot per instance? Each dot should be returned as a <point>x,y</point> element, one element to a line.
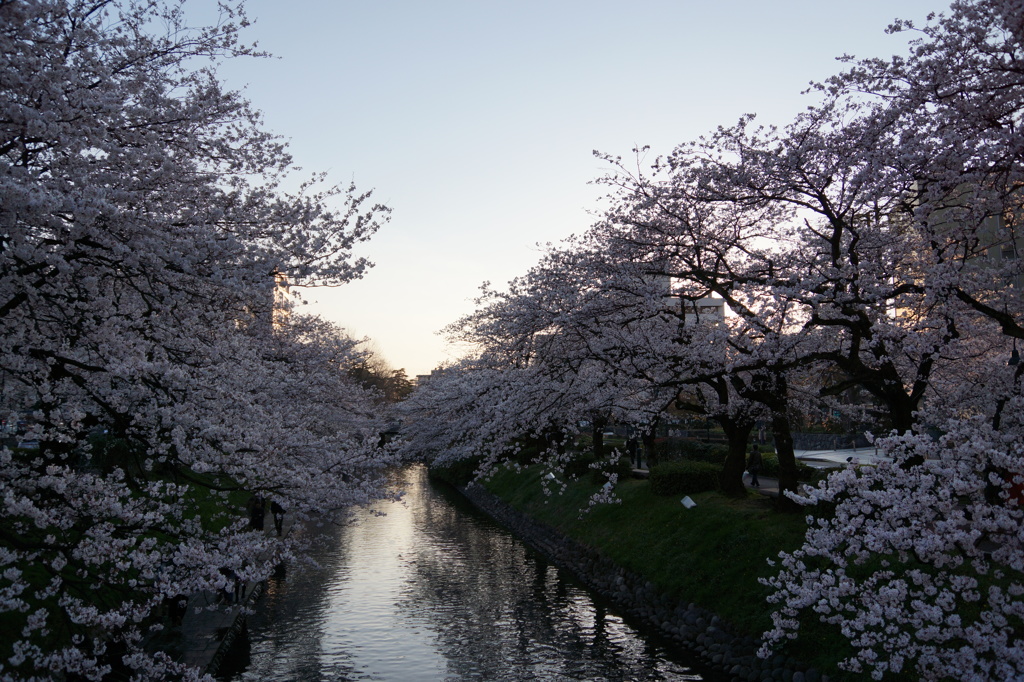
<point>234,590</point>
<point>754,464</point>
<point>633,448</point>
<point>257,510</point>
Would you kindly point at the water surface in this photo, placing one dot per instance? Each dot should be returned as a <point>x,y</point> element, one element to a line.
<point>435,591</point>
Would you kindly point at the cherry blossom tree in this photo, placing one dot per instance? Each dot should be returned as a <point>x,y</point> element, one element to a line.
<point>144,226</point>
<point>533,377</point>
<point>869,246</point>
<point>917,564</point>
<point>919,567</point>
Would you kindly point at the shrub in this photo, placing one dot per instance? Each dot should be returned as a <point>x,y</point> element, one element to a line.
<point>706,452</point>
<point>622,466</point>
<point>808,474</point>
<point>684,477</point>
<point>693,450</point>
<point>579,465</point>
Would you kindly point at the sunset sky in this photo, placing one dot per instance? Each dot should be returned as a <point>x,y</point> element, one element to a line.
<point>476,121</point>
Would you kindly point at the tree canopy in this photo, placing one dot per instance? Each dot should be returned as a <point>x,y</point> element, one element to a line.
<point>145,223</point>
<point>868,258</point>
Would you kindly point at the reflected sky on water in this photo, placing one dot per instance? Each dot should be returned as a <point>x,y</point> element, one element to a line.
<point>433,591</point>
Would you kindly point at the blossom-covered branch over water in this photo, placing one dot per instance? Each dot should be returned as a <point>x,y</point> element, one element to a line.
<point>161,382</point>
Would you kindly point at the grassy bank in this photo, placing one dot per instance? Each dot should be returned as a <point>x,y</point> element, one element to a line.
<point>711,555</point>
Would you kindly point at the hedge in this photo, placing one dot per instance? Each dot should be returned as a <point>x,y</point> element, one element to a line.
<point>684,477</point>
<point>808,474</point>
<point>694,450</point>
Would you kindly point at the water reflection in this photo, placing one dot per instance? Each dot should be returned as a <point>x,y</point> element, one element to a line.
<point>432,592</point>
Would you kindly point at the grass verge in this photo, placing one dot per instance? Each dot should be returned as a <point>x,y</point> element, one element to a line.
<point>711,555</point>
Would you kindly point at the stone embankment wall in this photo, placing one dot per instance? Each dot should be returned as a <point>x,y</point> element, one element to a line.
<point>687,624</point>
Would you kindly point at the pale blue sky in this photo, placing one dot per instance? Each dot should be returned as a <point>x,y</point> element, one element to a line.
<point>475,121</point>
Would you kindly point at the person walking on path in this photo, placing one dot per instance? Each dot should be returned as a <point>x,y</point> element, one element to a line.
<point>633,448</point>
<point>754,464</point>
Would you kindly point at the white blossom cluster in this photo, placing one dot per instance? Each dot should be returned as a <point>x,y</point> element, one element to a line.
<point>160,380</point>
<point>919,567</point>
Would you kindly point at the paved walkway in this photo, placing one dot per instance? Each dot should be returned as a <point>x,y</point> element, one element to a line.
<point>827,459</point>
<point>819,459</point>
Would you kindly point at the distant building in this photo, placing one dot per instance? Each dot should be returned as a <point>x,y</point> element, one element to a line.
<point>703,311</point>
<point>422,379</point>
<point>282,306</point>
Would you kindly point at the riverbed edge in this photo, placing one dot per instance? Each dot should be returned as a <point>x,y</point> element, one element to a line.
<point>699,630</point>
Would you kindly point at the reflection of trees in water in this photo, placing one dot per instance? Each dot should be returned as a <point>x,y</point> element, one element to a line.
<point>295,603</point>
<point>447,589</point>
<point>500,612</point>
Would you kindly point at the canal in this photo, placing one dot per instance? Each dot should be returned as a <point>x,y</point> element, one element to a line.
<point>433,590</point>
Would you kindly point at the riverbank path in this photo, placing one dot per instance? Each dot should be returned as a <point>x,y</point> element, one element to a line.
<point>819,459</point>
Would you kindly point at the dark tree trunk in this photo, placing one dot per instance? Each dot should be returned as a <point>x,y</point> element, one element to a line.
<point>772,391</point>
<point>597,435</point>
<point>886,385</point>
<point>787,460</point>
<point>737,434</point>
<point>647,438</point>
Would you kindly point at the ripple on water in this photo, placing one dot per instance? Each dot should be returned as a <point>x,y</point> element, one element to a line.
<point>431,592</point>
